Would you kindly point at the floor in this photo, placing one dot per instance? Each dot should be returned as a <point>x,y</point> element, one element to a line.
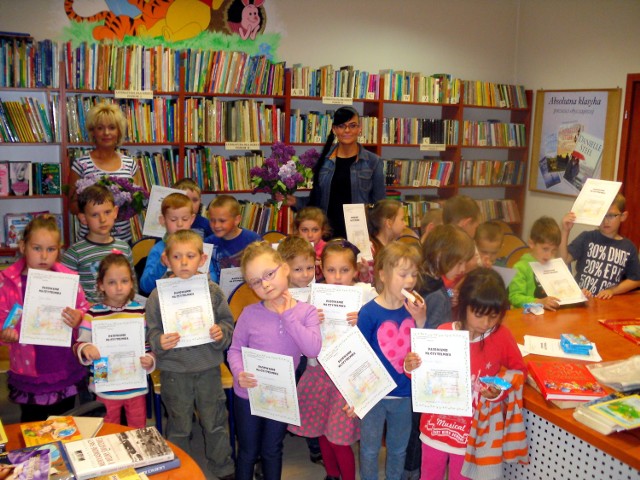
<point>296,454</point>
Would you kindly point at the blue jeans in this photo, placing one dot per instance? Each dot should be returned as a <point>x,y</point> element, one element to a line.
<point>179,393</point>
<point>257,438</point>
<point>397,413</point>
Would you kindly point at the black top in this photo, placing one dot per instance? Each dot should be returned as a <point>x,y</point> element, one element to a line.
<point>340,195</point>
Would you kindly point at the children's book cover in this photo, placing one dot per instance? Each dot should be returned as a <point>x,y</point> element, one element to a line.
<point>47,431</point>
<point>56,459</point>
<point>14,225</point>
<point>624,411</point>
<point>565,381</point>
<point>20,178</point>
<point>629,328</point>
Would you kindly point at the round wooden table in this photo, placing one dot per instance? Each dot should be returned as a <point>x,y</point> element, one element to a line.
<point>188,467</point>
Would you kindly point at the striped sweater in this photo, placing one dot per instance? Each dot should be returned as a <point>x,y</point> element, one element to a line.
<point>497,433</point>
<point>101,312</point>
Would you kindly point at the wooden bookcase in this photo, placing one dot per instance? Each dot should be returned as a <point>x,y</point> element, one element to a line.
<point>180,145</point>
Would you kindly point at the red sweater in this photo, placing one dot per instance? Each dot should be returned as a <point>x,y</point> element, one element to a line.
<point>488,356</point>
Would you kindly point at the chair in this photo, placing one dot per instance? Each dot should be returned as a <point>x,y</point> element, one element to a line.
<point>242,296</point>
<point>4,358</point>
<point>155,388</point>
<point>273,236</point>
<point>410,239</point>
<point>506,228</point>
<point>516,255</point>
<point>510,243</point>
<point>139,251</point>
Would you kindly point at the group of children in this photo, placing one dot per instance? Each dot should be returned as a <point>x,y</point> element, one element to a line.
<point>447,273</point>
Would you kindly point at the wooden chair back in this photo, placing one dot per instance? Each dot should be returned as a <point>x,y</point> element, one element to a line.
<point>242,296</point>
<point>273,236</point>
<point>516,255</point>
<point>510,243</point>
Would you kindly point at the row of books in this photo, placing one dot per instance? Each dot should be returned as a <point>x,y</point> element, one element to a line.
<point>211,120</point>
<point>494,134</point>
<point>28,64</point>
<point>151,121</point>
<point>217,173</point>
<point>418,173</point>
<point>489,94</point>
<point>505,210</point>
<point>158,168</point>
<point>314,127</point>
<point>415,210</point>
<point>414,131</point>
<point>104,66</point>
<point>491,172</point>
<point>21,179</point>
<point>29,121</point>
<point>402,86</point>
<point>327,81</point>
<point>262,218</point>
<point>215,71</point>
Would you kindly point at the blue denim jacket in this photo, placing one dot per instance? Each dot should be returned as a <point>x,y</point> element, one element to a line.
<point>367,179</point>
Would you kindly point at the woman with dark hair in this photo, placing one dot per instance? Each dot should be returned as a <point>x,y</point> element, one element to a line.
<point>345,172</point>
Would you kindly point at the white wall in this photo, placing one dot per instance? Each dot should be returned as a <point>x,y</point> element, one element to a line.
<point>552,44</point>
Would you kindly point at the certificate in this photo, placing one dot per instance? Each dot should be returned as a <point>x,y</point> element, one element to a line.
<point>442,384</point>
<point>152,227</point>
<point>557,281</point>
<point>276,396</point>
<point>121,344</point>
<point>185,306</point>
<point>594,201</point>
<point>356,371</point>
<point>230,278</point>
<point>335,301</point>
<point>355,222</point>
<point>207,248</point>
<point>46,296</point>
<point>301,294</point>
<point>550,347</point>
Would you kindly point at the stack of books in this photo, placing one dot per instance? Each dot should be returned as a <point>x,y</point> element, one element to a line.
<point>614,413</point>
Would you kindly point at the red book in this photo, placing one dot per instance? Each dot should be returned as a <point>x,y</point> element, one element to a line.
<point>565,381</point>
<point>629,328</point>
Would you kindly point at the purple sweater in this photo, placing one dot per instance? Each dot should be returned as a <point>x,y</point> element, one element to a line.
<point>296,332</point>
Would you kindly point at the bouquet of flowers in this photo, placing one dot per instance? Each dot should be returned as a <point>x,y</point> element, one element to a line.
<point>284,172</point>
<point>129,198</point>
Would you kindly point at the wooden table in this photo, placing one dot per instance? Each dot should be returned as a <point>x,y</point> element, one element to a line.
<point>624,446</point>
<point>189,469</point>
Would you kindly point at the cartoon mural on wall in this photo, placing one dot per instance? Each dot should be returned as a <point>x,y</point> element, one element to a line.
<point>174,20</point>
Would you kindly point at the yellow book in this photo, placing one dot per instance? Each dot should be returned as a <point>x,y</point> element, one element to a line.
<point>126,474</point>
<point>3,437</point>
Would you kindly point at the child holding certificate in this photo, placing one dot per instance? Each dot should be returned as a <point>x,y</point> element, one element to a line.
<point>482,304</point>
<point>116,282</point>
<point>43,380</point>
<point>386,322</point>
<point>277,324</point>
<point>322,407</point>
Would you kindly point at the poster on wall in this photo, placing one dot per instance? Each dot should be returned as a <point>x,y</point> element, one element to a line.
<point>575,136</point>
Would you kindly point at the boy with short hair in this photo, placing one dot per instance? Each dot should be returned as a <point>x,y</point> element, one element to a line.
<point>98,212</point>
<point>489,238</point>
<point>544,242</point>
<point>193,191</point>
<point>176,214</point>
<point>429,221</point>
<point>301,257</point>
<point>463,211</point>
<point>606,263</point>
<point>228,239</point>
<point>192,375</point>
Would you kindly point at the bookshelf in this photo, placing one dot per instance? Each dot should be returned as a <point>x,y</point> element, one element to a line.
<point>212,115</point>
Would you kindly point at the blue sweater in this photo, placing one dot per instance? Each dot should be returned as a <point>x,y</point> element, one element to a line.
<point>227,253</point>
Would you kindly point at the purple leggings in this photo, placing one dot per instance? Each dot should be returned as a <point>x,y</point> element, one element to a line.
<point>434,464</point>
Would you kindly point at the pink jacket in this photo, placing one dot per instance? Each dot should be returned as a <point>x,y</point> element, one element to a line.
<point>23,357</point>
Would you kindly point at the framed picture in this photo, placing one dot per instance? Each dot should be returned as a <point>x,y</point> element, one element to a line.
<point>574,138</point>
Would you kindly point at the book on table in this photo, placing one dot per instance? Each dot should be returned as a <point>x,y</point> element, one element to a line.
<point>88,426</point>
<point>107,454</point>
<point>51,430</point>
<point>592,414</point>
<point>565,381</point>
<point>629,328</point>
<point>49,455</point>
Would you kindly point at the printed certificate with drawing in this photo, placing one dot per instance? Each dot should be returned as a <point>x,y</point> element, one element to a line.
<point>121,344</point>
<point>557,281</point>
<point>276,396</point>
<point>186,308</point>
<point>442,384</point>
<point>152,227</point>
<point>594,201</point>
<point>47,294</point>
<point>355,222</point>
<point>335,301</point>
<point>230,278</point>
<point>356,371</point>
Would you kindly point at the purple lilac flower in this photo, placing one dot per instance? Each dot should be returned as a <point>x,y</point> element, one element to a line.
<point>309,158</point>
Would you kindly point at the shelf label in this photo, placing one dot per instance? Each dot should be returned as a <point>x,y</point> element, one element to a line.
<point>362,140</point>
<point>433,147</point>
<point>432,182</point>
<point>371,95</point>
<point>297,92</point>
<point>242,146</point>
<point>416,183</point>
<point>385,139</point>
<point>317,139</point>
<point>337,100</point>
<point>425,99</point>
<point>137,94</point>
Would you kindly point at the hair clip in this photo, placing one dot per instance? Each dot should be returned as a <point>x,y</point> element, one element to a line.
<point>344,243</point>
<point>115,251</point>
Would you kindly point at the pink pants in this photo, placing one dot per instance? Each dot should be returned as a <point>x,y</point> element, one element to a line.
<point>135,409</point>
<point>434,464</point>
